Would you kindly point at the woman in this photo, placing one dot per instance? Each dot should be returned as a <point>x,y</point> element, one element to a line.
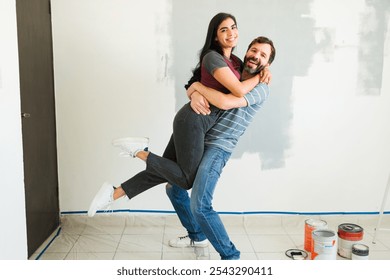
<point>219,69</point>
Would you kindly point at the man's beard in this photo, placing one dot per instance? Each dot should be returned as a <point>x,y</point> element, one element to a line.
<point>251,70</point>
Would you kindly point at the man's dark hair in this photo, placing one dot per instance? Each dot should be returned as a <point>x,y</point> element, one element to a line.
<point>264,40</point>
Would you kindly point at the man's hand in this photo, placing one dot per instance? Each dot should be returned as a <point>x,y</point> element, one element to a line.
<point>199,104</point>
<point>265,76</point>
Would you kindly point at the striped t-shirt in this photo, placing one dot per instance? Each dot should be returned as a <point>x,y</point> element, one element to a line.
<point>233,123</point>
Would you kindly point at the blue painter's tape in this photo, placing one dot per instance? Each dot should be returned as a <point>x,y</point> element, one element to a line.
<point>233,213</point>
<point>47,246</point>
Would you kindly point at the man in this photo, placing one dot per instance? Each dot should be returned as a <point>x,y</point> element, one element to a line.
<point>196,213</point>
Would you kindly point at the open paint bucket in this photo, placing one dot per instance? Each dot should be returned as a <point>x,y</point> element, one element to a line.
<point>324,245</point>
<point>349,234</point>
<point>360,252</point>
<point>310,226</point>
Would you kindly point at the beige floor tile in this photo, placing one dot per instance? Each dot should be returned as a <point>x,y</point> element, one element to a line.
<point>145,225</point>
<point>89,256</point>
<point>102,243</point>
<point>63,243</point>
<point>272,256</point>
<point>53,256</point>
<point>299,240</point>
<point>137,256</point>
<point>179,256</point>
<point>271,243</point>
<point>248,256</point>
<point>294,224</point>
<point>369,222</point>
<point>382,237</point>
<point>74,224</point>
<point>140,243</point>
<point>129,236</point>
<point>268,224</point>
<point>105,224</point>
<point>379,255</point>
<point>175,230</point>
<point>242,243</point>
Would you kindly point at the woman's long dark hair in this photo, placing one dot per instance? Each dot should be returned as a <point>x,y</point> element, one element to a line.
<point>210,44</point>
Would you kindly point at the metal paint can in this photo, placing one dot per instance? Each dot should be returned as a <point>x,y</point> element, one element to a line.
<point>310,226</point>
<point>360,252</point>
<point>349,234</point>
<point>324,245</point>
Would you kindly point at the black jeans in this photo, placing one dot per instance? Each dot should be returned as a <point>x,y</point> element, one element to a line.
<point>181,157</point>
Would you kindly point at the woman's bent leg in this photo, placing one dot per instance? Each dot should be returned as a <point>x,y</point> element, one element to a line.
<point>141,182</point>
<point>189,130</point>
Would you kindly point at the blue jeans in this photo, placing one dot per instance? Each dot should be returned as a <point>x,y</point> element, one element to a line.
<point>196,213</point>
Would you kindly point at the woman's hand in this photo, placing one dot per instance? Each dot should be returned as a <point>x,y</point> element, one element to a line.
<point>192,89</point>
<point>199,104</point>
<point>265,76</point>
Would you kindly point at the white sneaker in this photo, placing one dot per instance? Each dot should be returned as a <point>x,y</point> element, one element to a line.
<point>186,241</point>
<point>102,199</point>
<point>131,146</point>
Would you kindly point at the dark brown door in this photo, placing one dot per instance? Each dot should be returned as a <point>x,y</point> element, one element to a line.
<point>38,120</point>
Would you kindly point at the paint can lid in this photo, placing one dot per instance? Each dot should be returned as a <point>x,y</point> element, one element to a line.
<point>360,249</point>
<point>316,223</point>
<point>323,233</point>
<point>296,254</point>
<point>350,229</point>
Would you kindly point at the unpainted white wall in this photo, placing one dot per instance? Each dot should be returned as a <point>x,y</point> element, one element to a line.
<point>13,236</point>
<point>320,142</point>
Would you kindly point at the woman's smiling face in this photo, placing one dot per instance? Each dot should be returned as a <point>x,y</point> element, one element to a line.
<point>227,34</point>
